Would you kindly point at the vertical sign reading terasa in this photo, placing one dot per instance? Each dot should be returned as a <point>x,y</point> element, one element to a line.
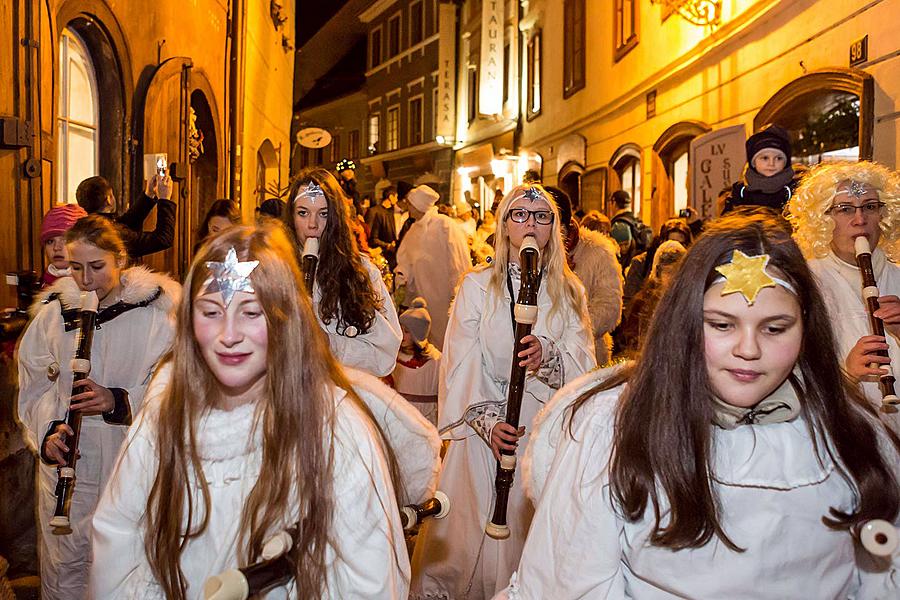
<point>490,81</point>
<point>446,106</point>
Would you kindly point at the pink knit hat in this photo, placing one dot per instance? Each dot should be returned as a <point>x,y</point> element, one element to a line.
<point>59,220</point>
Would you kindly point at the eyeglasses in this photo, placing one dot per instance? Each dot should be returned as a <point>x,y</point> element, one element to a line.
<point>848,211</point>
<point>521,215</point>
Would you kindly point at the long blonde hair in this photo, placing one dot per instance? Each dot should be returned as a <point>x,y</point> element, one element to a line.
<point>296,416</point>
<point>566,292</point>
<point>808,209</point>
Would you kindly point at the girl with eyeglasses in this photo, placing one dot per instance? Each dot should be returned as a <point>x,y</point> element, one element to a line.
<point>454,558</point>
<point>835,204</point>
<point>350,299</point>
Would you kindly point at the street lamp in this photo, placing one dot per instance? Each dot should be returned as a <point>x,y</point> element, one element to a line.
<point>696,12</point>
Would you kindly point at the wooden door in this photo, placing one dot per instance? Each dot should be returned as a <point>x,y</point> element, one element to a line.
<point>165,123</point>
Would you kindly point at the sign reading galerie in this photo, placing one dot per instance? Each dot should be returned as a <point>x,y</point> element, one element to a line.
<point>490,81</point>
<point>716,160</point>
<point>445,122</point>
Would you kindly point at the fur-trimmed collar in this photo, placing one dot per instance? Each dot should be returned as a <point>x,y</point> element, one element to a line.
<point>138,284</point>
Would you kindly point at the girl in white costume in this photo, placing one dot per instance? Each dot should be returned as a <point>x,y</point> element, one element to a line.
<point>350,299</point>
<point>733,460</point>
<point>251,427</point>
<point>134,329</point>
<point>453,557</point>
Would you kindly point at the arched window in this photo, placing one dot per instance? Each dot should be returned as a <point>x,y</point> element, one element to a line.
<point>628,168</point>
<point>78,140</point>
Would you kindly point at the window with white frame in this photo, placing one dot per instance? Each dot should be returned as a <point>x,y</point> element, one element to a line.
<point>374,133</point>
<point>416,121</point>
<point>78,119</point>
<point>392,132</point>
<point>534,74</point>
<point>629,171</point>
<point>375,48</point>
<point>394,36</point>
<point>416,22</point>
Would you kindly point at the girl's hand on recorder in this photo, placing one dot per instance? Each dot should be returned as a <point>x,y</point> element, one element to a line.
<point>862,355</point>
<point>93,400</point>
<point>532,353</point>
<point>505,437</point>
<point>55,447</point>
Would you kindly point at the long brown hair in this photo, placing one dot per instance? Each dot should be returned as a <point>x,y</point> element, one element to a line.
<point>663,432</point>
<point>296,416</point>
<point>347,292</point>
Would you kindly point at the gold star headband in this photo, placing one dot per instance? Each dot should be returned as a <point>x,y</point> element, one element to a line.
<point>748,275</point>
<point>229,277</point>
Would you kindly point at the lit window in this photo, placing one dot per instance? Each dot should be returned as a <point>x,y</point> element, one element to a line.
<point>629,171</point>
<point>374,131</point>
<point>392,134</point>
<point>680,182</point>
<point>534,75</point>
<point>78,116</point>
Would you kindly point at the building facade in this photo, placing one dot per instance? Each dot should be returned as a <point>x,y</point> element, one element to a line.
<point>99,87</point>
<point>632,83</point>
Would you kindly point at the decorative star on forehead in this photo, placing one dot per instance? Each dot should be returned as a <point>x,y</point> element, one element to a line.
<point>229,277</point>
<point>313,190</point>
<point>857,189</point>
<point>746,274</point>
<point>533,193</point>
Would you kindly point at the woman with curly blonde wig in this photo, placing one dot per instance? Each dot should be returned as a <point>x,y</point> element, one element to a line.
<point>835,204</point>
<point>454,558</point>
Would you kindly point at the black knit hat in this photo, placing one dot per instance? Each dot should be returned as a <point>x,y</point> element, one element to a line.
<point>403,188</point>
<point>772,136</point>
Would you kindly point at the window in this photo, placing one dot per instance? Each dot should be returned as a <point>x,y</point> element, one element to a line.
<point>304,157</point>
<point>392,133</point>
<point>353,144</point>
<point>629,171</point>
<point>416,22</point>
<point>680,182</point>
<point>335,148</point>
<point>79,116</point>
<point>416,121</point>
<point>375,48</point>
<point>374,133</point>
<point>573,47</point>
<point>394,36</point>
<point>320,156</point>
<point>434,109</point>
<point>534,75</point>
<point>473,93</point>
<point>626,23</point>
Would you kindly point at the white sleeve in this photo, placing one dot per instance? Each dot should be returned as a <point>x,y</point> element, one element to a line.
<point>369,558</point>
<point>118,539</point>
<point>376,350</point>
<point>37,402</point>
<point>572,549</point>
<point>576,346</point>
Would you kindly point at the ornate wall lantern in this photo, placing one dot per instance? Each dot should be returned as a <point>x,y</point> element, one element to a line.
<point>696,12</point>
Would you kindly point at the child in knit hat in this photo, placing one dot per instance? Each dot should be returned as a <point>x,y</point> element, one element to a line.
<point>56,223</point>
<point>416,373</point>
<point>768,177</point>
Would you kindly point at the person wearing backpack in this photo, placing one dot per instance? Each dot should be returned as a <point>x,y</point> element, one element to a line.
<point>633,236</point>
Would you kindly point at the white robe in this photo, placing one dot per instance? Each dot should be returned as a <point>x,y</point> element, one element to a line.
<point>376,350</point>
<point>453,557</point>
<point>841,284</point>
<point>124,353</point>
<point>431,260</point>
<point>774,489</point>
<point>366,556</point>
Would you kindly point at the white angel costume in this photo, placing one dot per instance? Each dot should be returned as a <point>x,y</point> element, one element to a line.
<point>125,350</point>
<point>366,555</point>
<point>454,558</point>
<point>374,351</point>
<point>774,488</point>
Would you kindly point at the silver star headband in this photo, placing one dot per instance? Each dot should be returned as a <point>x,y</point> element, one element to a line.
<point>857,189</point>
<point>533,193</point>
<point>312,190</point>
<point>229,277</point>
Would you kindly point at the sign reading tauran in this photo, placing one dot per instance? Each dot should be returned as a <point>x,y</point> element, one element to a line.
<point>490,83</point>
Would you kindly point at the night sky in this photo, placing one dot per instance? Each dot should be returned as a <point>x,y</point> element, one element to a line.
<point>312,14</point>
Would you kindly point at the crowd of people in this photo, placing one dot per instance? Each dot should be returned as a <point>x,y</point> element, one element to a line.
<point>705,411</point>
